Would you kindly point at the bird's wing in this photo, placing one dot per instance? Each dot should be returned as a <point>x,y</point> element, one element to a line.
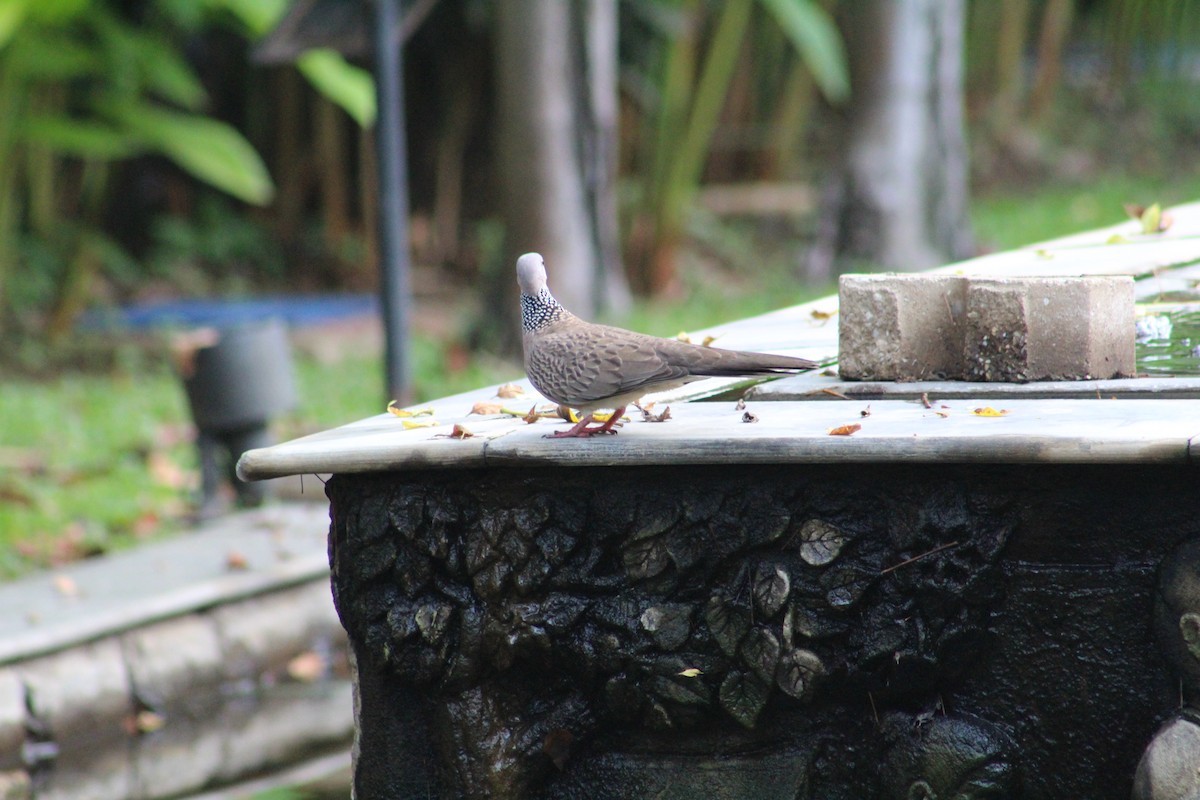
<point>589,363</point>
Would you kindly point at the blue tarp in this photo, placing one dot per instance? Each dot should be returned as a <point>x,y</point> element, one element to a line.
<point>296,311</point>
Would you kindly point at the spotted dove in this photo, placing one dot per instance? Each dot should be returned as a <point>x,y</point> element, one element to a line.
<point>587,367</point>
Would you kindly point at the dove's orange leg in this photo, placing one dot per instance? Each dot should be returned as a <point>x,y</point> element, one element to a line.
<point>582,431</point>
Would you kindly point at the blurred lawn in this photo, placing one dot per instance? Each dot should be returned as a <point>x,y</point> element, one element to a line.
<point>1010,218</point>
<point>90,463</point>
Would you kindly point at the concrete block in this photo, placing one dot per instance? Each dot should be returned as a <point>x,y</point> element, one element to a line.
<point>926,327</point>
<point>176,668</point>
<point>82,693</point>
<point>175,663</point>
<point>901,327</point>
<point>1036,329</point>
<point>263,633</point>
<point>82,700</point>
<point>96,773</point>
<point>287,720</point>
<point>12,719</point>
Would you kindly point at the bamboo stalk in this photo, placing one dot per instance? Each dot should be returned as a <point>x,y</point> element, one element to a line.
<point>1010,53</point>
<point>10,201</point>
<point>331,160</point>
<point>688,157</point>
<point>1056,24</point>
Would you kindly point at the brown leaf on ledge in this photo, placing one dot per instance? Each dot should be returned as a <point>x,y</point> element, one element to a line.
<point>509,391</point>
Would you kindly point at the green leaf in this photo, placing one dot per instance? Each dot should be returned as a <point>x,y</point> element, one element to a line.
<point>46,55</point>
<point>350,87</point>
<point>812,32</point>
<point>56,12</point>
<point>168,75</point>
<point>12,14</point>
<point>258,16</point>
<point>210,150</point>
<point>86,139</point>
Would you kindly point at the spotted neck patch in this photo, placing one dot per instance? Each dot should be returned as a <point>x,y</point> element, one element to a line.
<point>540,310</point>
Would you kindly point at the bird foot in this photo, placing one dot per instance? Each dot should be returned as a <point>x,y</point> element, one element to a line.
<point>581,430</point>
<point>581,433</point>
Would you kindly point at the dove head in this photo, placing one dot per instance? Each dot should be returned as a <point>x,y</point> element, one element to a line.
<point>538,306</point>
<point>531,274</point>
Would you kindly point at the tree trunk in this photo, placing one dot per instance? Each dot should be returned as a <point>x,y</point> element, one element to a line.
<point>899,198</point>
<point>556,154</point>
<point>601,137</point>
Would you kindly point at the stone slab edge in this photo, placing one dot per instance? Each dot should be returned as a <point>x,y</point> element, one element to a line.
<point>206,594</point>
<point>59,621</point>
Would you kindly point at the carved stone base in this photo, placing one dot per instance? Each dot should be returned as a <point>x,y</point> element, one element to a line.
<point>736,632</point>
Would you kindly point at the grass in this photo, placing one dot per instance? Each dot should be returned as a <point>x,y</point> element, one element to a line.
<point>91,463</point>
<point>1012,218</point>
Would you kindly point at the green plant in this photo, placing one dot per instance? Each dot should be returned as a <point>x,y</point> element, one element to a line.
<point>82,87</point>
<point>694,74</point>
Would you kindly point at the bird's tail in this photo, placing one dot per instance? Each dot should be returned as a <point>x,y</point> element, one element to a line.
<point>716,362</point>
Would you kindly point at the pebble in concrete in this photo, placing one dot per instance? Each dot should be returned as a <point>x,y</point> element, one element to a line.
<point>921,327</point>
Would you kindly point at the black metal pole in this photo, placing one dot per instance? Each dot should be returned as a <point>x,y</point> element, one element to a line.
<point>394,286</point>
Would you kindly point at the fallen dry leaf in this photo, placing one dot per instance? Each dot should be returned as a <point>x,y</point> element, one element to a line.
<point>988,411</point>
<point>684,336</point>
<point>459,431</point>
<point>1153,218</point>
<point>412,424</point>
<point>819,314</point>
<point>147,721</point>
<point>942,414</point>
<point>690,672</point>
<point>236,561</point>
<point>510,390</point>
<point>66,586</point>
<point>650,416</point>
<point>404,413</point>
<point>308,667</point>
<point>146,524</point>
<point>845,430</point>
<point>741,404</point>
<point>532,415</point>
<point>165,472</point>
<point>485,408</point>
<point>708,340</point>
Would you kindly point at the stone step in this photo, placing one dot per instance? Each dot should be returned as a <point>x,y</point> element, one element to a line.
<point>179,665</point>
